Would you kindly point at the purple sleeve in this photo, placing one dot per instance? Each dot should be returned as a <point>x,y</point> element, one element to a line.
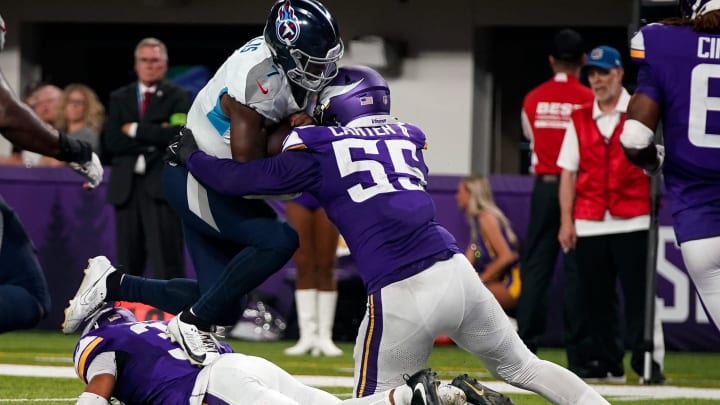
<point>647,85</point>
<point>288,172</point>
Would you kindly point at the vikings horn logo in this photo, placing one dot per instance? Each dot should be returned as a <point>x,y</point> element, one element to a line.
<point>287,27</point>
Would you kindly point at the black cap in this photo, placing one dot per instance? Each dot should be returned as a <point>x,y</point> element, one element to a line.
<point>567,46</point>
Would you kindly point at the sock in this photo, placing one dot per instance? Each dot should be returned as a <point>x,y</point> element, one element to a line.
<point>112,285</point>
<point>190,317</point>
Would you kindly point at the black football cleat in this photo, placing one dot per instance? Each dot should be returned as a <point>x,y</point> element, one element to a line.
<point>478,394</point>
<point>424,387</point>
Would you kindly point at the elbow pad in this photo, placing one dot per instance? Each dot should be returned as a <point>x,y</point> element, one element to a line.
<point>636,135</point>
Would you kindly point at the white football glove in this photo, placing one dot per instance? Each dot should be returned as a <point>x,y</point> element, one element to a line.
<point>92,170</point>
<point>660,158</point>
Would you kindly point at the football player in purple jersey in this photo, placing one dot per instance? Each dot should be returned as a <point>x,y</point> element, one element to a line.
<point>678,83</point>
<point>367,170</point>
<point>137,363</point>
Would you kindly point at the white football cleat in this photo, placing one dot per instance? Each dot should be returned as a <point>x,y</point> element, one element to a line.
<point>200,346</point>
<point>90,296</point>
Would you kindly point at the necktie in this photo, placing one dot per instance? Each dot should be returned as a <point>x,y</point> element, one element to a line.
<point>144,102</point>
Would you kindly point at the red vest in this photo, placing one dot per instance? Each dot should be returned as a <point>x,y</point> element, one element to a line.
<point>548,109</point>
<point>606,180</point>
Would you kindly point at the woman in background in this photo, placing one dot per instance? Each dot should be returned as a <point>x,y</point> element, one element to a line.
<point>315,284</point>
<point>81,114</point>
<point>493,246</point>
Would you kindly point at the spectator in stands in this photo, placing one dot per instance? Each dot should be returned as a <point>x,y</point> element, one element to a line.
<point>605,207</point>
<point>81,114</point>
<point>545,114</point>
<point>315,286</point>
<point>44,101</point>
<point>493,247</point>
<point>143,117</point>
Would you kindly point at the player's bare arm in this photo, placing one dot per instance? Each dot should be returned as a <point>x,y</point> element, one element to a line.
<point>637,138</point>
<point>248,141</point>
<point>98,390</point>
<point>22,127</point>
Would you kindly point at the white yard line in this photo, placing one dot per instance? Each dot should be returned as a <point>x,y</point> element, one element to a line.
<point>624,391</point>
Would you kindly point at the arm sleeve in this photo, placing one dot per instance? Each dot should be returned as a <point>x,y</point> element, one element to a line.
<point>103,363</point>
<point>289,172</point>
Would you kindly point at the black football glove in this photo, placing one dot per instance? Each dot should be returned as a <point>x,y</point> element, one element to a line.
<point>181,147</point>
<point>73,150</point>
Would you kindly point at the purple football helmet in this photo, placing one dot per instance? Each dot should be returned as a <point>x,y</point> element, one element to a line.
<point>356,91</point>
<point>694,8</point>
<point>109,315</point>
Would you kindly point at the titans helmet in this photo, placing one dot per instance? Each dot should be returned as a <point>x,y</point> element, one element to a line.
<point>108,315</point>
<point>356,92</point>
<point>305,41</point>
<point>695,8</point>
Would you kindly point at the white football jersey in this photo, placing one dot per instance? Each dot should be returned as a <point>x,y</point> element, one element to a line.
<point>249,76</point>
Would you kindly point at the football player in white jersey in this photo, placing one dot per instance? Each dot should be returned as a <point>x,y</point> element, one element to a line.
<point>235,243</point>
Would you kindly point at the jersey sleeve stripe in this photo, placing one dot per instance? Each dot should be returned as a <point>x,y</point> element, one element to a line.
<point>637,54</point>
<point>82,366</point>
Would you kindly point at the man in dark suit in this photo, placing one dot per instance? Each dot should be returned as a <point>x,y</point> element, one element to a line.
<point>143,117</point>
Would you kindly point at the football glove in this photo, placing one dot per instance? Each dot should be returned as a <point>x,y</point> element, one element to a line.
<point>660,159</point>
<point>92,170</point>
<point>73,150</point>
<point>181,147</point>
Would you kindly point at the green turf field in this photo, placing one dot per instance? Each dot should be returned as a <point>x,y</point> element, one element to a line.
<point>699,370</point>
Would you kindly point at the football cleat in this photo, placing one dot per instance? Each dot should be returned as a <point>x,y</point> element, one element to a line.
<point>424,387</point>
<point>91,295</point>
<point>478,394</point>
<point>200,346</point>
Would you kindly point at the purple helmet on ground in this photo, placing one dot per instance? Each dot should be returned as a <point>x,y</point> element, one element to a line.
<point>356,92</point>
<point>109,315</point>
<point>695,8</point>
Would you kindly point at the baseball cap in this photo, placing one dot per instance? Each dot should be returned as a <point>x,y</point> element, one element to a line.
<point>604,57</point>
<point>567,45</point>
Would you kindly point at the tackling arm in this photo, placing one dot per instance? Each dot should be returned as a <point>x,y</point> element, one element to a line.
<point>289,172</point>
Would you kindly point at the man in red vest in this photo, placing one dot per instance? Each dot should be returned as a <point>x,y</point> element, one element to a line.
<point>604,208</point>
<point>545,115</point>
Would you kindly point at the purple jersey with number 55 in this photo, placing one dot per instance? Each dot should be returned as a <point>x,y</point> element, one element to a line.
<point>680,70</point>
<point>371,182</point>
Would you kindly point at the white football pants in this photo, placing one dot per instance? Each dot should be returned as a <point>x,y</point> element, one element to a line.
<point>702,260</point>
<point>402,320</point>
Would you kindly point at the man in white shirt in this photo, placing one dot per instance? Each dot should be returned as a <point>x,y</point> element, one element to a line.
<point>605,206</point>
